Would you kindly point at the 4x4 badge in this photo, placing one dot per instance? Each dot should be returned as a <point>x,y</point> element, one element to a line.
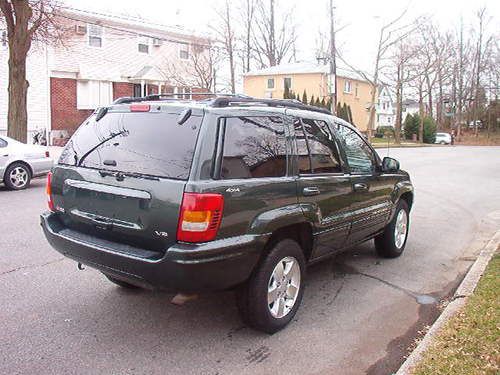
<point>161,234</point>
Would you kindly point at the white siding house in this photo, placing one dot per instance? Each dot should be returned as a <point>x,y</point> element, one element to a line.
<point>385,110</point>
<point>102,58</point>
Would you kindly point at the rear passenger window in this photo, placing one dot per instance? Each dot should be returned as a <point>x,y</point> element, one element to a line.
<point>253,147</point>
<point>316,147</point>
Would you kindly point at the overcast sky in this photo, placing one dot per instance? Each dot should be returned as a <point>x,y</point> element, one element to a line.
<point>361,18</point>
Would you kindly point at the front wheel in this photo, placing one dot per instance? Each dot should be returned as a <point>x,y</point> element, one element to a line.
<point>271,297</point>
<point>392,241</point>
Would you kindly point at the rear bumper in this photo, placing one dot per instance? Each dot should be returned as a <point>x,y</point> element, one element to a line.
<point>214,265</point>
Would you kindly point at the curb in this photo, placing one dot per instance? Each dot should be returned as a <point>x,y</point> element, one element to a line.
<point>465,289</point>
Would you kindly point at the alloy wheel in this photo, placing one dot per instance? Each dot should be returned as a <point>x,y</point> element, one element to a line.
<point>283,287</point>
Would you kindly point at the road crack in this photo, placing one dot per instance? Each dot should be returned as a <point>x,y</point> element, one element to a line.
<point>31,266</point>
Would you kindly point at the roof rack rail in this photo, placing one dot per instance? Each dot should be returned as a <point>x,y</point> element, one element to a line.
<point>287,103</point>
<point>171,96</point>
<point>226,100</point>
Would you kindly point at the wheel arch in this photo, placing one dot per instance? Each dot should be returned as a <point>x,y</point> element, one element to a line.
<point>300,232</point>
<point>30,169</point>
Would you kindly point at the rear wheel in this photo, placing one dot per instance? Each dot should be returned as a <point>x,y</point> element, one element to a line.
<point>17,176</point>
<point>271,297</point>
<point>121,283</point>
<point>391,243</point>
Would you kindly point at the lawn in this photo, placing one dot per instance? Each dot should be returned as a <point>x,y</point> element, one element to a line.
<point>470,342</point>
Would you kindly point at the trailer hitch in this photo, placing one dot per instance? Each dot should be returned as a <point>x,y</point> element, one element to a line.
<point>80,266</point>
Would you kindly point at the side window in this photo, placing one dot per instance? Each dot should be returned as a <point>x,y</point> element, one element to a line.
<point>317,151</point>
<point>359,156</point>
<point>3,143</point>
<point>253,147</point>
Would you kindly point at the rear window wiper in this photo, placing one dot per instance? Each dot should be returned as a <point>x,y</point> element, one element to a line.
<point>113,135</point>
<point>121,175</point>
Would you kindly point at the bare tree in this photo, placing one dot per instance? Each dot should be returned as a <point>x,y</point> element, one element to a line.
<point>226,35</point>
<point>403,53</point>
<point>27,21</point>
<point>389,35</point>
<point>272,40</point>
<point>199,71</point>
<point>481,14</point>
<point>247,16</point>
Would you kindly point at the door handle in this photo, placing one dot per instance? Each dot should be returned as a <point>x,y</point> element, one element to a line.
<point>360,187</point>
<point>308,191</point>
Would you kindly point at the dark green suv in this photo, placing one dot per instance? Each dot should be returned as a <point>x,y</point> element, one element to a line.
<point>228,192</point>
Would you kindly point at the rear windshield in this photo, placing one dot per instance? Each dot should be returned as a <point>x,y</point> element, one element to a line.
<point>146,143</point>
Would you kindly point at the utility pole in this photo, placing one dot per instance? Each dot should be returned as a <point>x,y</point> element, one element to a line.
<point>480,15</point>
<point>333,61</point>
<point>460,80</point>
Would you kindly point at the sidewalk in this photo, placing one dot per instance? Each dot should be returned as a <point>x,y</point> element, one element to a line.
<point>461,336</point>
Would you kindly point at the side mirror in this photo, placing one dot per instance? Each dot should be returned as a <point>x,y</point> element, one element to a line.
<point>390,165</point>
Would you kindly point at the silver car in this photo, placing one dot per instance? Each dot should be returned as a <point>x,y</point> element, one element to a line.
<point>20,162</point>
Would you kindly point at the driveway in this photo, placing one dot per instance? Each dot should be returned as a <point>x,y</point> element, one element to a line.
<point>359,313</point>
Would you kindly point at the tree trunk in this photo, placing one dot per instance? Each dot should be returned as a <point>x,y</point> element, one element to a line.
<point>272,36</point>
<point>17,118</point>
<point>421,114</point>
<point>399,95</point>
<point>230,50</point>
<point>19,44</point>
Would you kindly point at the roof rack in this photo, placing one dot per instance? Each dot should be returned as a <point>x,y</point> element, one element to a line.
<point>226,100</point>
<point>171,96</point>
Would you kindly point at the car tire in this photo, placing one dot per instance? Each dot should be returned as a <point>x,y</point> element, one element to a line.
<point>120,283</point>
<point>279,278</point>
<point>392,241</point>
<point>17,176</point>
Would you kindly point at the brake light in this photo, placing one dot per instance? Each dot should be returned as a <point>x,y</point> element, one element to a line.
<point>200,217</point>
<point>50,202</point>
<point>140,107</point>
<point>47,154</point>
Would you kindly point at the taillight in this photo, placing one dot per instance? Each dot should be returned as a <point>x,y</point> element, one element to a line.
<point>200,217</point>
<point>50,202</point>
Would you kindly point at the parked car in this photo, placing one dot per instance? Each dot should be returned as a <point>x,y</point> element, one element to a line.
<point>20,162</point>
<point>443,139</point>
<point>229,193</point>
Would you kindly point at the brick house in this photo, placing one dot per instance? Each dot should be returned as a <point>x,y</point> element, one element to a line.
<point>102,57</point>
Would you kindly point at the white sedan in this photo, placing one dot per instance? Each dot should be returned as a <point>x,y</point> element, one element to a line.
<point>20,162</point>
<point>443,138</point>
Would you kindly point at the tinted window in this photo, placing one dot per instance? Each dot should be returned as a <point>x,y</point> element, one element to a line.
<point>253,147</point>
<point>3,143</point>
<point>359,156</point>
<point>147,143</point>
<point>317,152</point>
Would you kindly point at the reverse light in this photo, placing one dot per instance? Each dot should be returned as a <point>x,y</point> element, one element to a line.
<point>200,217</point>
<point>48,190</point>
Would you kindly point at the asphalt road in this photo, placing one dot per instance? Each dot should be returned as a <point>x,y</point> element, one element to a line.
<point>359,312</point>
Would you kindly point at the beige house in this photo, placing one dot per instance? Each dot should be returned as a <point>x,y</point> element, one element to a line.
<point>315,80</point>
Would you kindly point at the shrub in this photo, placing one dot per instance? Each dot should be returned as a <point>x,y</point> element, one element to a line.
<point>411,126</point>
